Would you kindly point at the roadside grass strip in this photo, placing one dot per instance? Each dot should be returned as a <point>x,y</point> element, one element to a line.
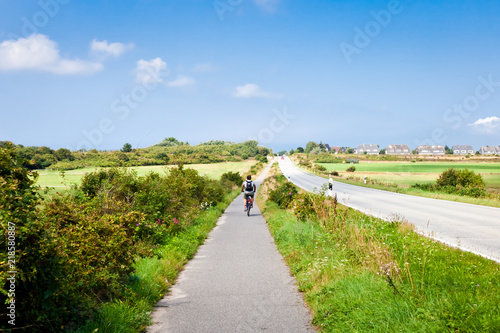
<point>155,275</point>
<point>362,274</point>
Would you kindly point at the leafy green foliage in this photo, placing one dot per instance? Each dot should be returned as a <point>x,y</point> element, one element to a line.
<point>351,169</point>
<point>77,251</point>
<point>232,177</point>
<point>284,194</point>
<point>127,148</point>
<point>169,151</point>
<point>462,182</point>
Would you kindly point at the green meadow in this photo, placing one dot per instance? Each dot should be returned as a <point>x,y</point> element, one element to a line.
<point>51,178</point>
<point>408,173</point>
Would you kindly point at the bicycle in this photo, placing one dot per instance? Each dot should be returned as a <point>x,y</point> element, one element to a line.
<point>249,205</point>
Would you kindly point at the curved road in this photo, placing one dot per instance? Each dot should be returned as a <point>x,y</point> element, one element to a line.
<point>468,227</point>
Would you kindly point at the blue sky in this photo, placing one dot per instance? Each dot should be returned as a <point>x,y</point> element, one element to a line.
<point>98,74</point>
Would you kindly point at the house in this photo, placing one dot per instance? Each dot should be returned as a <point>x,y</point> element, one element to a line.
<point>462,150</point>
<point>490,150</point>
<point>398,150</point>
<point>430,150</point>
<point>369,149</point>
<point>335,149</point>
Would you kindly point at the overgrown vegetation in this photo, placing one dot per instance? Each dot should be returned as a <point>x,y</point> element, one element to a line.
<point>461,182</point>
<point>78,254</point>
<point>169,151</point>
<point>363,274</point>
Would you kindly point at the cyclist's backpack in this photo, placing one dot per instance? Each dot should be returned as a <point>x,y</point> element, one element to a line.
<point>249,186</point>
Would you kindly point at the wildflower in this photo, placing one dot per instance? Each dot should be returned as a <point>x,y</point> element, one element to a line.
<point>290,193</point>
<point>176,221</point>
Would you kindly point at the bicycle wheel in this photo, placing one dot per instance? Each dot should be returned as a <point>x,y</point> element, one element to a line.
<point>249,205</point>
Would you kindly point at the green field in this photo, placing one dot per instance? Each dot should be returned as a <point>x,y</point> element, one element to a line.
<point>407,173</point>
<point>50,178</point>
<point>418,167</point>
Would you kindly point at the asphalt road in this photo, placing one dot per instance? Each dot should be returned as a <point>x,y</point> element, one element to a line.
<point>469,227</point>
<point>237,282</point>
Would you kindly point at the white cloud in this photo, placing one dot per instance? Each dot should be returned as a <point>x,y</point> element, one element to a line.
<point>151,71</point>
<point>268,5</point>
<point>250,90</point>
<point>181,81</point>
<point>109,49</point>
<point>489,125</point>
<point>38,52</point>
<point>203,68</point>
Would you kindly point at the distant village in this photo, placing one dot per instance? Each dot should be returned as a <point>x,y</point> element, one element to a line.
<point>372,149</point>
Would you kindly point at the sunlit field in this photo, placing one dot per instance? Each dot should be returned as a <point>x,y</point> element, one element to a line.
<point>50,178</point>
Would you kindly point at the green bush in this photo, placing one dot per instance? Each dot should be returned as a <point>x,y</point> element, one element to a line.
<point>284,194</point>
<point>264,159</point>
<point>232,177</point>
<point>461,182</point>
<point>76,252</point>
<point>351,169</point>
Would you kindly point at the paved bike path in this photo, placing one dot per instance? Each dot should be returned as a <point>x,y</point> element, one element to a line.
<point>237,282</point>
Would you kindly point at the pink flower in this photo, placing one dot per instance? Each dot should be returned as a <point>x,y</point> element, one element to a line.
<point>290,193</point>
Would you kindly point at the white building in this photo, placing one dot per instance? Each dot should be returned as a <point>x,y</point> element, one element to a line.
<point>430,150</point>
<point>462,150</point>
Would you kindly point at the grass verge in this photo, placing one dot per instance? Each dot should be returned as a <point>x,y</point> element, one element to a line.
<point>362,274</point>
<point>154,276</point>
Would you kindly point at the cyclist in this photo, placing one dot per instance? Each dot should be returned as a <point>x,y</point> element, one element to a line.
<point>249,189</point>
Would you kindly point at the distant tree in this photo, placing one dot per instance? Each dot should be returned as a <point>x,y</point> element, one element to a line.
<point>281,153</point>
<point>45,150</point>
<point>291,152</point>
<point>414,152</point>
<point>251,143</point>
<point>350,151</point>
<point>127,148</point>
<point>63,154</point>
<point>310,146</point>
<point>170,142</point>
<point>382,151</point>
<point>300,150</point>
<point>316,150</point>
<point>447,150</point>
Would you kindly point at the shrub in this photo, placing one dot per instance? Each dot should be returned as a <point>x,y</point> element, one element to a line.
<point>283,195</point>
<point>351,169</point>
<point>232,177</point>
<point>461,182</point>
<point>335,173</point>
<point>264,159</point>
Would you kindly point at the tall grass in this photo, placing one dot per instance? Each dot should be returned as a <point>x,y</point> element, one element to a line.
<point>362,274</point>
